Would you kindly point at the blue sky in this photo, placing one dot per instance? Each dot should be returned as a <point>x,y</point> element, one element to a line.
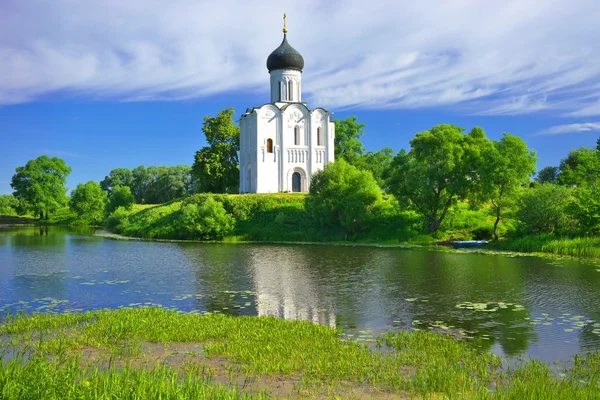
<point>120,84</point>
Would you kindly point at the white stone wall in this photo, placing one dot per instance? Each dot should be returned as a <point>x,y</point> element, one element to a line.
<point>282,80</point>
<point>264,172</point>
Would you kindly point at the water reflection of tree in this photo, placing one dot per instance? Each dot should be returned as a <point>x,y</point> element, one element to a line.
<point>368,287</point>
<point>439,281</point>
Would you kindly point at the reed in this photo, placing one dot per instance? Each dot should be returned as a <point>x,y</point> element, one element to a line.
<point>577,247</point>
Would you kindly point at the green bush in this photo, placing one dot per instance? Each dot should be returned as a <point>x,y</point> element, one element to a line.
<point>343,197</point>
<point>88,202</point>
<point>543,209</point>
<point>118,220</point>
<point>120,197</point>
<point>8,205</point>
<point>207,221</point>
<point>483,232</point>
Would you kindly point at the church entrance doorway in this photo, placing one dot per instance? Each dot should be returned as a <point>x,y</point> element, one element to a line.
<point>296,187</point>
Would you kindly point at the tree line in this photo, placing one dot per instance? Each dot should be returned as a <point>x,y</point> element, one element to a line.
<point>444,170</point>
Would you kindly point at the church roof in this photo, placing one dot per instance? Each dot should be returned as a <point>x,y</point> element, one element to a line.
<point>285,57</point>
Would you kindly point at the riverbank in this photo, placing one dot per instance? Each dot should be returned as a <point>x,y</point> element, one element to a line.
<point>586,247</point>
<point>14,220</point>
<point>150,352</point>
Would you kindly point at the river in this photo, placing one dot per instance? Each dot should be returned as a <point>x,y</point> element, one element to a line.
<point>548,309</point>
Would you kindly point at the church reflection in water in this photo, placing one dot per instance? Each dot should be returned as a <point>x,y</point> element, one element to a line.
<point>286,289</point>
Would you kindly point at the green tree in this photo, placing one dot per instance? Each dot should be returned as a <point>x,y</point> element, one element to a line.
<point>216,166</point>
<point>585,208</point>
<point>120,197</point>
<point>439,169</point>
<point>88,201</point>
<point>208,220</point>
<point>342,196</point>
<point>8,205</point>
<point>141,181</point>
<point>543,209</point>
<point>347,144</point>
<point>117,177</point>
<point>506,168</point>
<point>168,183</point>
<point>580,167</point>
<point>378,163</point>
<point>40,185</point>
<point>547,175</point>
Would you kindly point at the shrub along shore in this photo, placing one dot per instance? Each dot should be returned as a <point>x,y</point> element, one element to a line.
<point>284,218</point>
<point>149,353</point>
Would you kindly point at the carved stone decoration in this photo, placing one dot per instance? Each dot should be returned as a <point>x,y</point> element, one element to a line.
<point>268,114</point>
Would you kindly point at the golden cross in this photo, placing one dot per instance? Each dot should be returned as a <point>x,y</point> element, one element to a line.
<point>284,27</point>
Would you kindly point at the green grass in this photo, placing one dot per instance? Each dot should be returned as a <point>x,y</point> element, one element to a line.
<point>42,379</point>
<point>108,354</point>
<point>264,217</point>
<point>576,247</point>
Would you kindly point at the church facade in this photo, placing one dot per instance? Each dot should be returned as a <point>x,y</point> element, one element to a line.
<point>283,143</point>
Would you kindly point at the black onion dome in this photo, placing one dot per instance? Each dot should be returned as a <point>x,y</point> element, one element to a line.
<point>285,57</point>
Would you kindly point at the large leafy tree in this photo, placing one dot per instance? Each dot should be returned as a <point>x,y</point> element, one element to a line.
<point>506,168</point>
<point>439,169</point>
<point>168,183</point>
<point>580,167</point>
<point>141,181</point>
<point>88,201</point>
<point>120,197</point>
<point>347,144</point>
<point>547,175</point>
<point>117,177</point>
<point>40,185</point>
<point>341,196</point>
<point>216,166</point>
<point>378,163</point>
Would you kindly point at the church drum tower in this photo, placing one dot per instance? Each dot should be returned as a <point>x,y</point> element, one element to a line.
<point>283,143</point>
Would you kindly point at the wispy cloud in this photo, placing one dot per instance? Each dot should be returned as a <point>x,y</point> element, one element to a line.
<point>492,58</point>
<point>61,153</point>
<point>590,110</point>
<point>571,128</point>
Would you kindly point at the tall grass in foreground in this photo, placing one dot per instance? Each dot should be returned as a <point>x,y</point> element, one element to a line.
<point>42,379</point>
<point>576,247</point>
<point>414,364</point>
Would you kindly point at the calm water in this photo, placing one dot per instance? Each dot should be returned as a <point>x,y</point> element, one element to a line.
<point>542,308</point>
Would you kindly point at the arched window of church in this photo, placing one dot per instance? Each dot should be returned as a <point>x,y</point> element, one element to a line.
<point>269,145</point>
<point>291,90</point>
<point>319,137</point>
<point>297,135</point>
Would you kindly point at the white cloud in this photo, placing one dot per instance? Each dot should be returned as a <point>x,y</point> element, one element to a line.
<point>571,128</point>
<point>492,58</point>
<point>590,110</point>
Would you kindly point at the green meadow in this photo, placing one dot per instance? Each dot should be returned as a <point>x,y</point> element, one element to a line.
<point>151,353</point>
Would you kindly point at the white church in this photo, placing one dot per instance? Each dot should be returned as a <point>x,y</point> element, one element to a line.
<point>283,143</point>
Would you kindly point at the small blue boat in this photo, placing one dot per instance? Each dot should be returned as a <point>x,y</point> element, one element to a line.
<point>463,244</point>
